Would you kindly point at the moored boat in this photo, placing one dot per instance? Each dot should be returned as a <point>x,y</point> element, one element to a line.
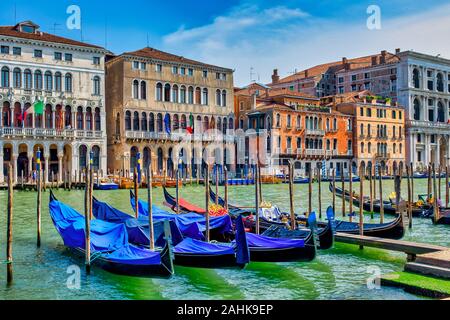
<point>110,248</point>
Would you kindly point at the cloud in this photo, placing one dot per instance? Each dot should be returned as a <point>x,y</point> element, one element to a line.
<point>289,38</point>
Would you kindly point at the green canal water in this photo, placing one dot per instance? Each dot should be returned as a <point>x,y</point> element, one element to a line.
<point>339,273</point>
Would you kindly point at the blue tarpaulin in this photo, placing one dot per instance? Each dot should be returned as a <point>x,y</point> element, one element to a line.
<point>255,241</point>
<point>108,239</point>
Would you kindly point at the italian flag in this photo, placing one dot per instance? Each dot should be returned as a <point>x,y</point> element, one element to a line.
<point>190,128</point>
<point>36,108</point>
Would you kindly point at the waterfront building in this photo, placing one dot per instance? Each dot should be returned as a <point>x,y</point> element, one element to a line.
<point>155,99</point>
<point>418,82</point>
<point>295,128</point>
<point>68,77</point>
<point>378,130</point>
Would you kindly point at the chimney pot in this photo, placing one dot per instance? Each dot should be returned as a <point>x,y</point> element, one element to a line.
<point>275,76</point>
<point>344,60</point>
<point>397,51</point>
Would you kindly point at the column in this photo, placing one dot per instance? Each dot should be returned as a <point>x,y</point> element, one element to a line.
<point>53,119</point>
<point>11,117</point>
<point>2,178</point>
<point>47,159</point>
<point>60,168</point>
<point>30,164</point>
<point>14,163</point>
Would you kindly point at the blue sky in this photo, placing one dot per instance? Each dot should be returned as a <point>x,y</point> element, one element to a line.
<point>244,34</point>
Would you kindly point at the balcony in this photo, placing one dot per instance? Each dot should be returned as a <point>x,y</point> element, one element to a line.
<point>432,127</point>
<point>299,152</point>
<point>311,132</point>
<point>49,133</point>
<point>315,152</point>
<point>177,136</point>
<point>382,155</point>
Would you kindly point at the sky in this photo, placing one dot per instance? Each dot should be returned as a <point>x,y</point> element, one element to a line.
<point>252,37</point>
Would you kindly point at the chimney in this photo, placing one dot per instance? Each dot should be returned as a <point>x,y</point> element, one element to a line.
<point>344,60</point>
<point>397,51</point>
<point>306,73</point>
<point>275,76</point>
<point>374,60</point>
<point>254,102</point>
<point>383,57</point>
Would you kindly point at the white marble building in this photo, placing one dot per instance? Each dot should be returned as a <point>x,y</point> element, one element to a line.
<point>424,90</point>
<point>68,76</point>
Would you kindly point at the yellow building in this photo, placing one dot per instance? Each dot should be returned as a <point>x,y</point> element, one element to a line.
<point>154,99</point>
<point>378,129</point>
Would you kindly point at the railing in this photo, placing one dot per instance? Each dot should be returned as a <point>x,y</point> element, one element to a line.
<point>428,124</point>
<point>49,133</point>
<point>314,152</point>
<point>299,152</point>
<point>311,132</point>
<point>177,136</point>
<point>382,155</point>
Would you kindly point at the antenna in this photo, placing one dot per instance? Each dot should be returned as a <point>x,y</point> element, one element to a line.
<point>251,73</point>
<point>106,31</point>
<point>15,12</point>
<point>55,26</point>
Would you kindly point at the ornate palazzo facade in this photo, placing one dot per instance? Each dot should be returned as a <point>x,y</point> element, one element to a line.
<point>68,76</point>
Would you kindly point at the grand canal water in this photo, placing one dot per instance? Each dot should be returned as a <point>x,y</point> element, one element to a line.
<point>339,273</point>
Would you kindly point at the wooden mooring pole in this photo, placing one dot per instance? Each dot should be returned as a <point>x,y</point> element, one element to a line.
<point>150,206</point>
<point>87,219</point>
<point>429,182</point>
<point>39,196</point>
<point>446,187</point>
<point>371,191</point>
<point>136,190</point>
<point>319,180</point>
<point>177,191</point>
<point>207,203</point>
<point>343,195</point>
<point>291,195</point>
<point>9,227</point>
<point>334,190</point>
<point>410,200</point>
<point>217,184</point>
<point>226,188</point>
<point>361,198</point>
<point>309,190</point>
<point>350,186</point>
<point>257,199</point>
<point>380,187</point>
<point>439,182</point>
<point>435,202</point>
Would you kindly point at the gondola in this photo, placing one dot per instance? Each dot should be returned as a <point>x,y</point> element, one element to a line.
<point>444,216</point>
<point>326,232</point>
<point>269,249</point>
<point>187,251</point>
<point>392,230</point>
<point>424,211</point>
<point>183,204</point>
<point>110,249</point>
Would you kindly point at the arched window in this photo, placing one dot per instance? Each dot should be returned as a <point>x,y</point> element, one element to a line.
<point>417,115</point>
<point>83,156</point>
<point>183,122</point>
<point>362,147</point>
<point>59,120</point>
<point>224,98</point>
<point>48,79</point>
<point>68,82</point>
<point>278,120</point>
<point>334,124</point>
<point>175,93</point>
<point>205,124</point>
<point>231,124</point>
<point>191,95</point>
<point>17,115</point>
<point>97,90</point>
<point>198,96</point>
<point>28,79</point>
<point>97,120</point>
<point>144,122</point>
<point>29,118</point>
<point>80,118</point>
<point>159,92</point>
<point>135,89</point>
<point>5,77</point>
<point>38,80</point>
<point>96,158</point>
<point>89,119</point>
<point>58,82</point>
<point>128,121</point>
<point>416,78</point>
<point>369,147</point>
<point>218,98</point>
<point>143,90</point>
<point>176,122</point>
<point>225,125</point>
<point>183,94</point>
<point>440,82</point>
<point>394,147</point>
<point>219,124</point>
<point>17,78</point>
<point>441,112</point>
<point>167,92</point>
<point>151,122</point>
<point>136,121</point>
<point>159,122</point>
<point>68,117</point>
<point>48,116</point>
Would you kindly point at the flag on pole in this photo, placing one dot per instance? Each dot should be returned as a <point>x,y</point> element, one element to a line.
<point>167,124</point>
<point>190,128</point>
<point>36,108</point>
<point>138,156</point>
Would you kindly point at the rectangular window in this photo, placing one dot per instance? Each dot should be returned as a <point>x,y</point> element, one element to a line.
<point>353,87</point>
<point>159,68</point>
<point>183,71</point>
<point>17,51</point>
<point>367,75</point>
<point>205,73</point>
<point>341,90</point>
<point>174,70</point>
<point>218,75</point>
<point>58,56</point>
<point>361,112</point>
<point>291,88</point>
<point>394,114</point>
<point>38,53</point>
<point>136,65</point>
<point>96,60</point>
<point>4,50</point>
<point>368,112</point>
<point>190,72</point>
<point>341,79</point>
<point>354,77</point>
<point>367,86</point>
<point>224,76</point>
<point>143,66</point>
<point>68,57</point>
<point>430,84</point>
